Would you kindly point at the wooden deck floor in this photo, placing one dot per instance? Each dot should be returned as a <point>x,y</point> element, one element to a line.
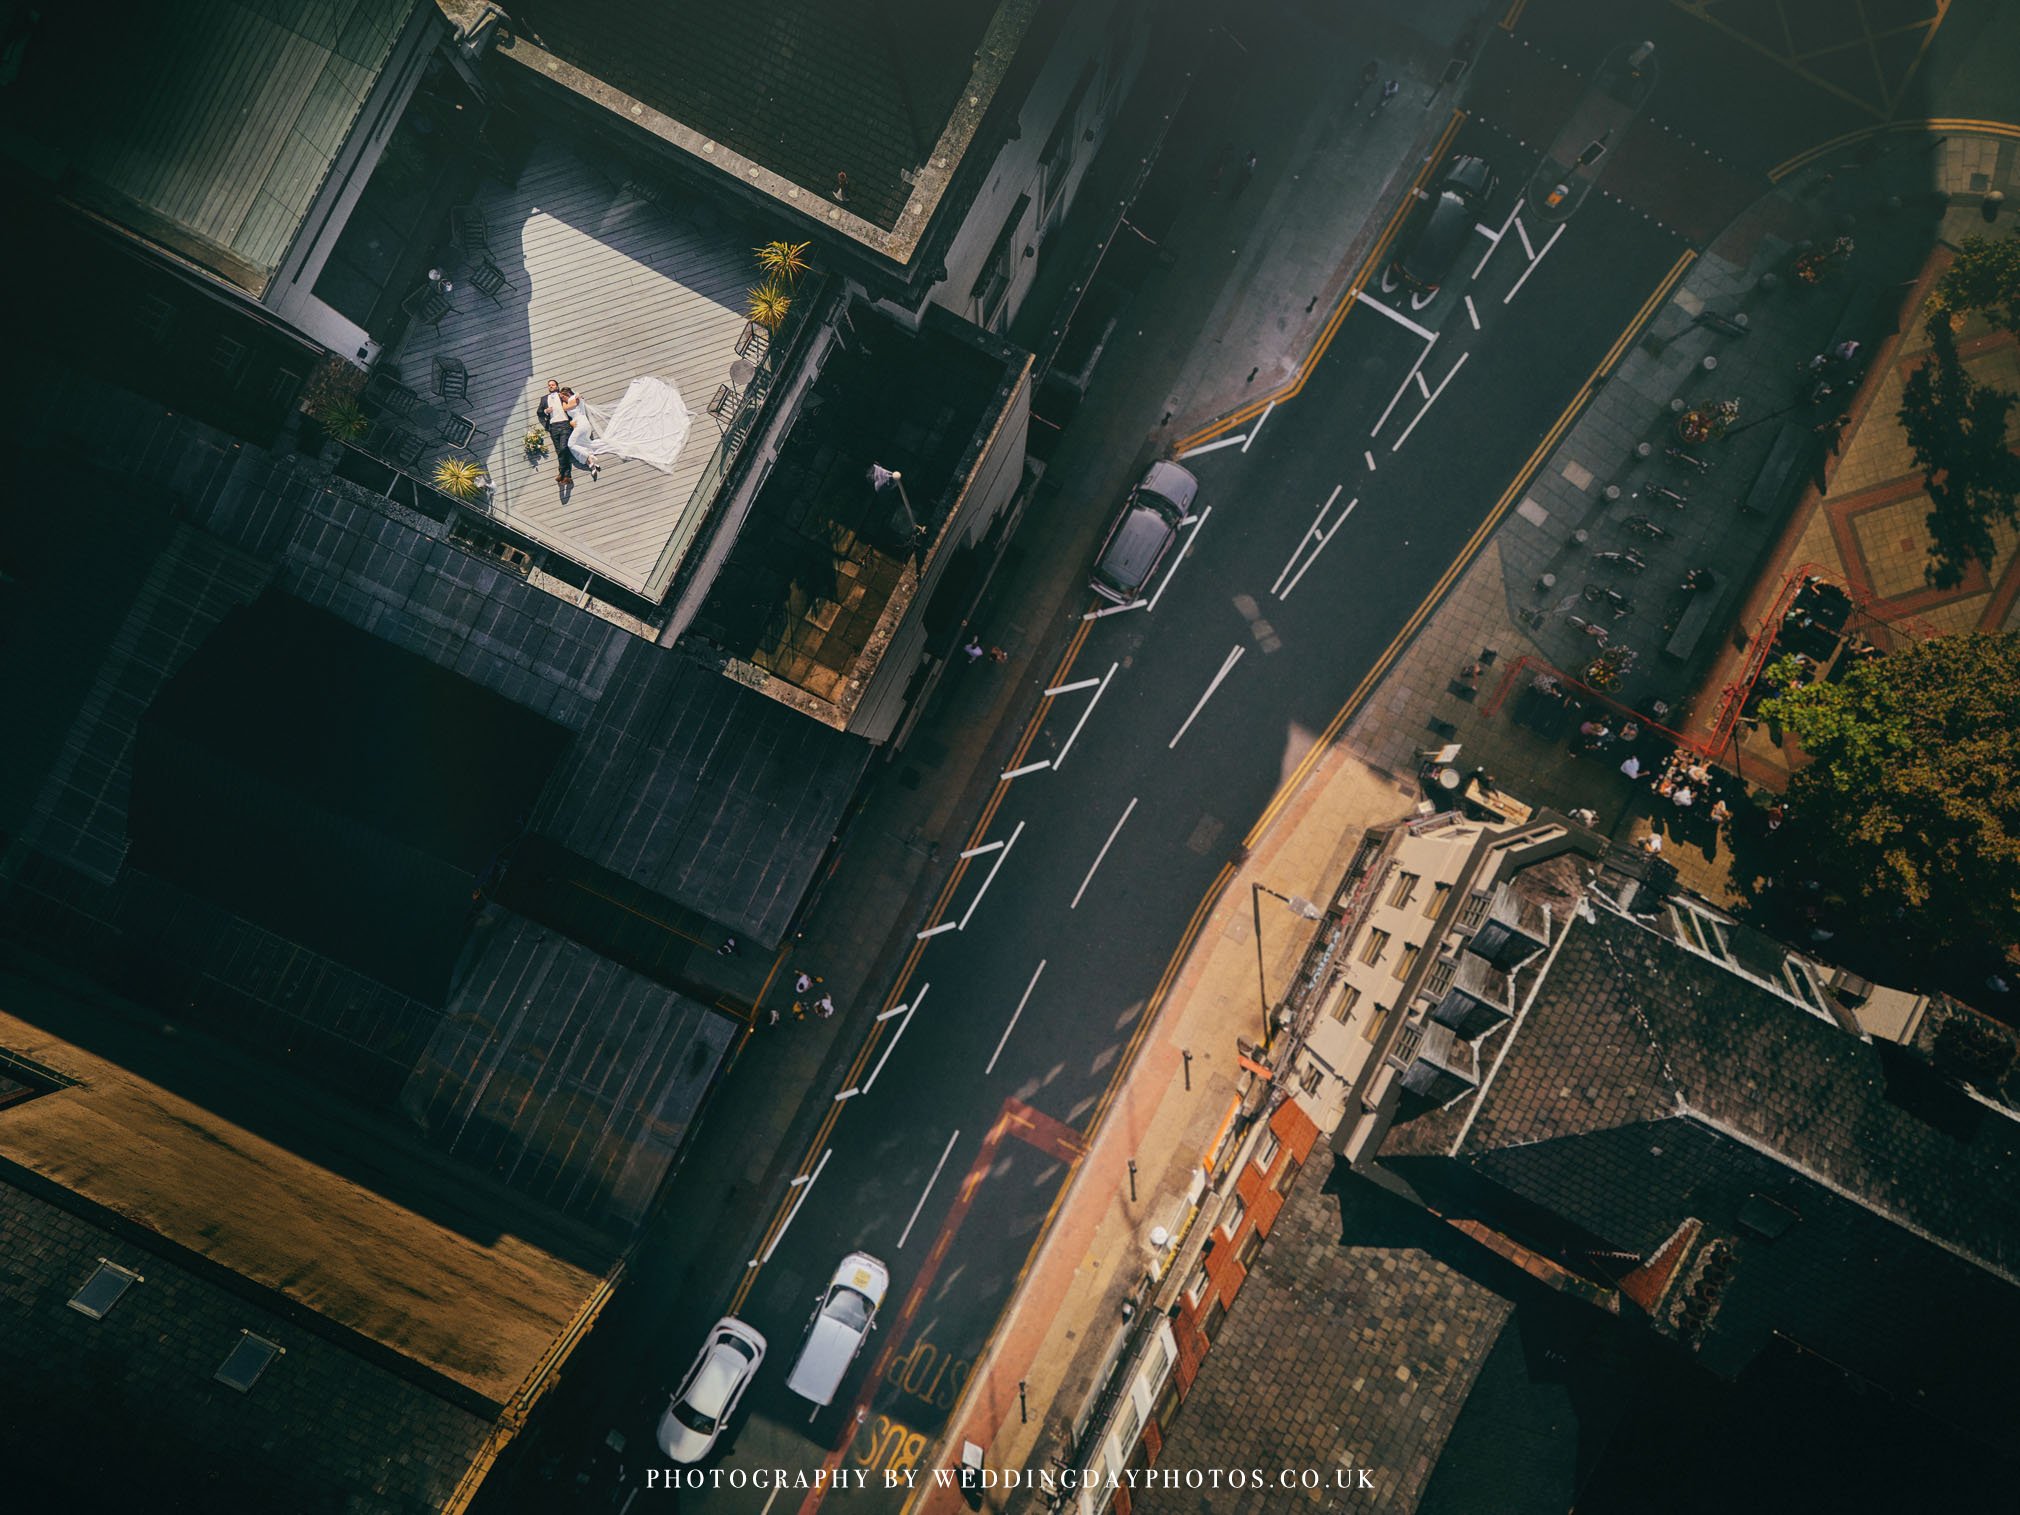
<point>610,287</point>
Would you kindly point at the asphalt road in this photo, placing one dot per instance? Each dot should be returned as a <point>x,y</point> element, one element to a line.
<point>1303,562</point>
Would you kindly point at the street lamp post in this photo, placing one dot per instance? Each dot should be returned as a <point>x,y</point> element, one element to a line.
<point>1298,906</point>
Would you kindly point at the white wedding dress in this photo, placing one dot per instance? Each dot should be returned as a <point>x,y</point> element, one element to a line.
<point>649,425</point>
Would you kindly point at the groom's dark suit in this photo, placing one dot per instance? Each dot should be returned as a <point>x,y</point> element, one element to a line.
<point>554,417</point>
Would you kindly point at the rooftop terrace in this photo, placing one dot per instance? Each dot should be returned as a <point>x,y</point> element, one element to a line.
<point>605,286</point>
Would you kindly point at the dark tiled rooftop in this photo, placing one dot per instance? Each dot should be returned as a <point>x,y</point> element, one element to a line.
<point>1354,1343</point>
<point>807,88</point>
<point>1629,1026</point>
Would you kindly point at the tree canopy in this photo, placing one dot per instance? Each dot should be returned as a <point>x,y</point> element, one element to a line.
<point>1985,276</point>
<point>1911,799</point>
<point>1957,429</point>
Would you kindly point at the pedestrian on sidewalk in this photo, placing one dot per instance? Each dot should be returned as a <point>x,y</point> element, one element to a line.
<point>998,655</point>
<point>1632,766</point>
<point>799,1010</point>
<point>824,1006</point>
<point>728,947</point>
<point>1651,844</point>
<point>775,1015</point>
<point>973,649</point>
<point>1585,816</point>
<point>803,983</point>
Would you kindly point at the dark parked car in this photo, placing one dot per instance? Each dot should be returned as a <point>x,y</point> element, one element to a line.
<point>1427,262</point>
<point>1144,532</point>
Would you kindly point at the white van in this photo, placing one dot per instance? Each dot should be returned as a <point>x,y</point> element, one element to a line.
<point>843,1316</point>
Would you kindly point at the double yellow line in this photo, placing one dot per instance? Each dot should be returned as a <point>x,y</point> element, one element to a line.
<point>1467,553</point>
<point>1935,125</point>
<point>1373,261</point>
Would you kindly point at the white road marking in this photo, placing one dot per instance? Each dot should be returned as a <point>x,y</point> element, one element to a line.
<point>994,868</point>
<point>1310,532</point>
<point>892,1045</point>
<point>1070,688</point>
<point>1193,452</point>
<point>1199,521</point>
<point>1538,258</point>
<point>1397,316</point>
<point>1018,773</point>
<point>1376,429</point>
<point>805,1189</point>
<point>1103,853</point>
<point>1423,388</point>
<point>932,931</point>
<point>1320,548</point>
<point>1256,430</point>
<point>1059,759</point>
<point>985,847</point>
<point>1371,460</point>
<point>1528,247</point>
<point>1004,1039</point>
<point>1430,402</point>
<point>1226,667</point>
<point>1494,239</point>
<point>1472,314</point>
<point>901,1009</point>
<point>767,1510</point>
<point>906,1235</point>
<point>1095,615</point>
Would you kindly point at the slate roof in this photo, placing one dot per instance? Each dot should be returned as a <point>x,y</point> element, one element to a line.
<point>1647,1085</point>
<point>807,88</point>
<point>208,126</point>
<point>693,786</point>
<point>1354,1342</point>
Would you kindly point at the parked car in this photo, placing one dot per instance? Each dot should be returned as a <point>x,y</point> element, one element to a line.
<point>1428,260</point>
<point>1143,533</point>
<point>707,1397</point>
<point>843,1316</point>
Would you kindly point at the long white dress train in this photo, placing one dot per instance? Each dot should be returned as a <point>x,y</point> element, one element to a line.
<point>650,426</point>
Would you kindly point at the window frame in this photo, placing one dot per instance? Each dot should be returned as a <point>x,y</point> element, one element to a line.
<point>1376,944</point>
<point>1405,889</point>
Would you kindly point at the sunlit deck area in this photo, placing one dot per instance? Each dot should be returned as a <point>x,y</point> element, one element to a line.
<point>606,286</point>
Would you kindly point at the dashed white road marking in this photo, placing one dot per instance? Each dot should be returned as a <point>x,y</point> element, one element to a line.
<point>906,1234</point>
<point>1004,1039</point>
<point>1226,667</point>
<point>1103,853</point>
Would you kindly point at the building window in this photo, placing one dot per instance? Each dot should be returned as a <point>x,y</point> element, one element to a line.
<point>1196,1290</point>
<point>1376,1022</point>
<point>1343,1004</point>
<point>992,285</point>
<point>1130,1423</point>
<point>1473,911</point>
<point>1286,1178</point>
<point>1237,1212</point>
<point>242,1367</point>
<point>103,1289</point>
<point>153,316</point>
<point>1209,1325</point>
<point>1266,1154</point>
<point>283,386</point>
<point>1404,892</point>
<point>1441,976</point>
<point>1167,1406</point>
<point>1433,906</point>
<point>226,356</point>
<point>1311,1078</point>
<point>1056,162</point>
<point>1408,961</point>
<point>1373,948</point>
<point>1251,1244</point>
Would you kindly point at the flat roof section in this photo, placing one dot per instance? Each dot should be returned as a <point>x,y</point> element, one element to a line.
<point>604,285</point>
<point>207,126</point>
<point>341,1212</point>
<point>805,88</point>
<point>338,790</point>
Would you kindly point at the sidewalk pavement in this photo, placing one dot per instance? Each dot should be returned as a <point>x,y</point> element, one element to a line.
<point>1062,1327</point>
<point>1887,203</point>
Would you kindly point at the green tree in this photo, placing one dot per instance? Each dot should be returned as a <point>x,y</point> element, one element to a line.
<point>1912,795</point>
<point>1985,276</point>
<point>1957,429</point>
